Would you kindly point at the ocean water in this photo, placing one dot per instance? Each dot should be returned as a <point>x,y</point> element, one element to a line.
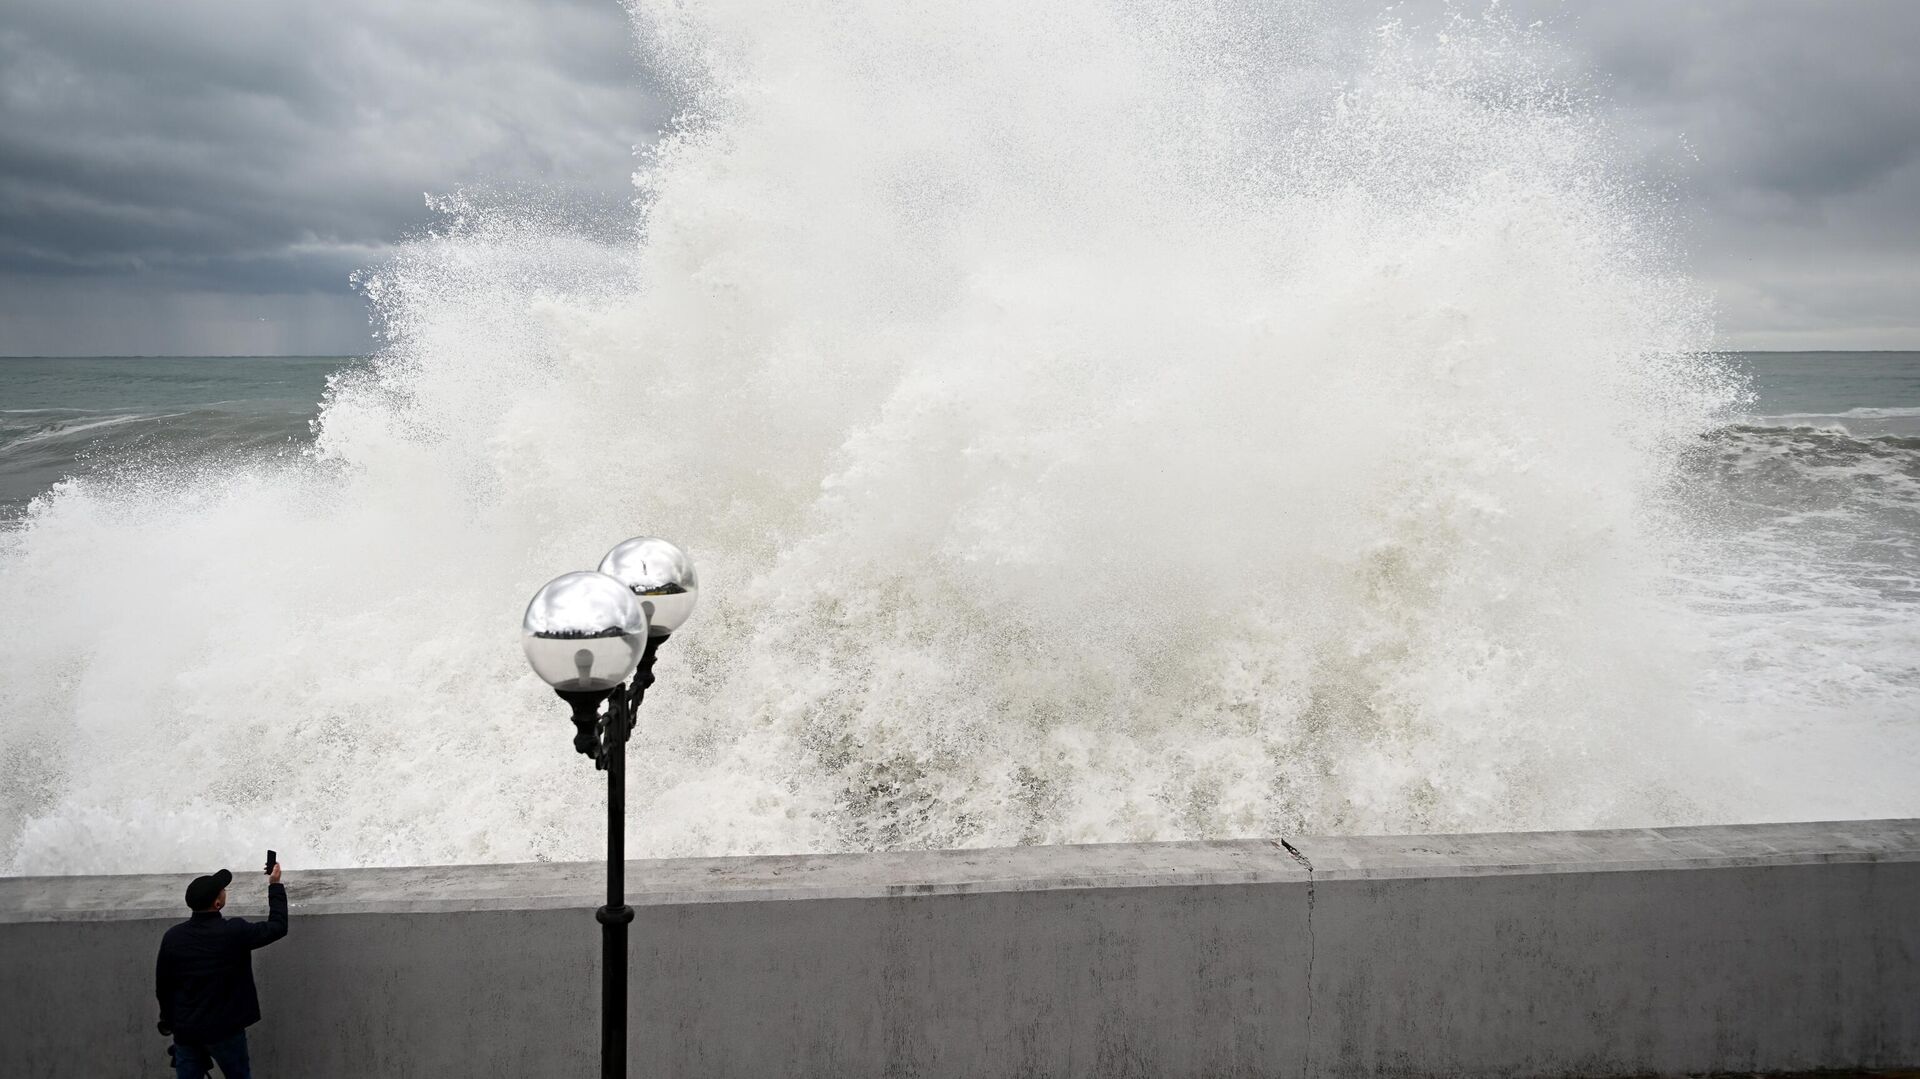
<point>90,416</point>
<point>116,419</point>
<point>1091,423</point>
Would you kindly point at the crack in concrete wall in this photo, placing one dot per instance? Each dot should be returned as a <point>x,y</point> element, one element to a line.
<point>1306,1053</point>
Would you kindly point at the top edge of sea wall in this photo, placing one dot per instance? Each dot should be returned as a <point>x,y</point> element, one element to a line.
<point>772,878</point>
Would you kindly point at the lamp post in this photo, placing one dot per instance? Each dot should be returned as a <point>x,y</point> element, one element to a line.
<point>584,635</point>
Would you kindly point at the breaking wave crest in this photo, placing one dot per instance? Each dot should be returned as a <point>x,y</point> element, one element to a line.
<point>1092,423</point>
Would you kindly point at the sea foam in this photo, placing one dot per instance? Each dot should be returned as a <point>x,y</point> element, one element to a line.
<point>1092,422</point>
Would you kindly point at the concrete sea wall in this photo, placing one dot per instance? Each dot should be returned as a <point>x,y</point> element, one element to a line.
<point>1773,947</point>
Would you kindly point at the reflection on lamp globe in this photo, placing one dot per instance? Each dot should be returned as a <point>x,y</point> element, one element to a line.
<point>583,632</point>
<point>661,575</point>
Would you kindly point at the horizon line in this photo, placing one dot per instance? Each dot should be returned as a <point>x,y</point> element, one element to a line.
<point>195,356</point>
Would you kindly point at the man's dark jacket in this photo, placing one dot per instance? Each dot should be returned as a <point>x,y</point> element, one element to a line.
<point>204,977</point>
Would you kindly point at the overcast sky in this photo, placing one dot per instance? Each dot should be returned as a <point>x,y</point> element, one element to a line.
<point>201,176</point>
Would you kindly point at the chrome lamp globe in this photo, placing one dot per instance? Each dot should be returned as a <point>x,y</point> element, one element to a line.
<point>586,634</point>
<point>661,575</point>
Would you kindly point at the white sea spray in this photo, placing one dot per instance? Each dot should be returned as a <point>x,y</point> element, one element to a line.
<point>1092,423</point>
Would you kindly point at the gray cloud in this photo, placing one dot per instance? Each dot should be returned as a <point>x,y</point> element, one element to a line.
<point>1791,135</point>
<point>217,163</point>
<point>203,175</point>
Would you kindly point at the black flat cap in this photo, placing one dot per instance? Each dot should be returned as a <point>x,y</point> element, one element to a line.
<point>204,890</point>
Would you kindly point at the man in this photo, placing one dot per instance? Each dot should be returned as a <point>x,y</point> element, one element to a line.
<point>204,978</point>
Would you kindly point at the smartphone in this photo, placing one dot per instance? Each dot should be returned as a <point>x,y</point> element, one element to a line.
<point>272,857</point>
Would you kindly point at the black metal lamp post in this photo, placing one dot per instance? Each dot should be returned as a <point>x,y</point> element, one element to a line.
<point>584,634</point>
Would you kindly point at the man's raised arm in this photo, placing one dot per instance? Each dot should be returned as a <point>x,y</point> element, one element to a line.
<point>261,934</point>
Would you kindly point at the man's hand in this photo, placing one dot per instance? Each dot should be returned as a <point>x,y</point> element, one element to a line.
<point>274,877</point>
<point>164,1028</point>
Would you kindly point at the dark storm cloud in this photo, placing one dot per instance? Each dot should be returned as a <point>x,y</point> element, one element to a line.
<point>208,172</point>
<point>218,148</point>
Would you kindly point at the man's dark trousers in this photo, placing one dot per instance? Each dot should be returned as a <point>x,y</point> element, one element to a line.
<point>197,1061</point>
<point>204,980</point>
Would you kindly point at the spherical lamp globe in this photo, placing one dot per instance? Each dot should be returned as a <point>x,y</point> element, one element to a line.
<point>584,632</point>
<point>660,575</point>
